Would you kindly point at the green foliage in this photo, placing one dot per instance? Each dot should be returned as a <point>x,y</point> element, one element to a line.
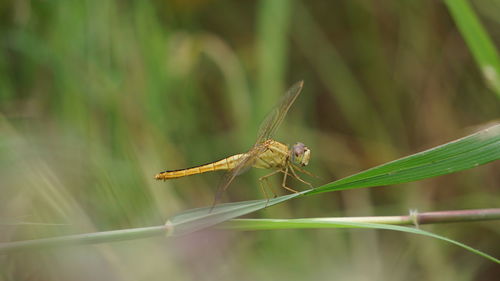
<point>323,223</point>
<point>478,40</point>
<point>471,151</point>
<point>474,150</point>
<point>96,97</point>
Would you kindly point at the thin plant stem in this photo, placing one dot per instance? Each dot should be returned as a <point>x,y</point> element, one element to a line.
<point>414,218</point>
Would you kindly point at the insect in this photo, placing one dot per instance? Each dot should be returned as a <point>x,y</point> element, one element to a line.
<point>266,153</point>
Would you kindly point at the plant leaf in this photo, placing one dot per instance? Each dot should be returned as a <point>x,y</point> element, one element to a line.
<point>471,151</point>
<point>272,224</point>
<point>478,41</point>
<point>468,152</point>
<point>196,219</point>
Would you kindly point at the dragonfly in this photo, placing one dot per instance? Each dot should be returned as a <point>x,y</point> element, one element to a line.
<point>266,153</point>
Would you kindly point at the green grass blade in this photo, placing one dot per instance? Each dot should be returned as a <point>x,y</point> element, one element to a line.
<point>273,23</point>
<point>273,224</point>
<point>468,152</point>
<point>249,224</point>
<point>478,41</point>
<point>196,219</point>
<point>471,151</point>
<point>83,239</point>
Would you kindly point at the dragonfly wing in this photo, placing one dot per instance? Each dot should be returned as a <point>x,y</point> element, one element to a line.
<point>245,163</point>
<point>275,117</point>
<point>266,131</point>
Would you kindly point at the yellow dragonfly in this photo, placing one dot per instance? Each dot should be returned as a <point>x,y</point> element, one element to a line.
<point>265,154</point>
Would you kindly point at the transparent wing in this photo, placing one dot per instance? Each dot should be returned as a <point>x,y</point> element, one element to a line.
<point>266,131</point>
<point>275,117</point>
<point>245,163</point>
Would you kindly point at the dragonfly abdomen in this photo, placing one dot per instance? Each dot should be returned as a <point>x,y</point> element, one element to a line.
<point>224,164</point>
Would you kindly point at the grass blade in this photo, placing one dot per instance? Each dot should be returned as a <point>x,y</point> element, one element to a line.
<point>273,224</point>
<point>196,219</point>
<point>468,152</point>
<point>471,151</point>
<point>478,41</point>
<point>247,224</point>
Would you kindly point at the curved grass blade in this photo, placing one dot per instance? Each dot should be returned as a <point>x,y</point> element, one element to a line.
<point>273,224</point>
<point>468,152</point>
<point>200,218</point>
<point>471,151</point>
<point>246,224</point>
<point>478,41</point>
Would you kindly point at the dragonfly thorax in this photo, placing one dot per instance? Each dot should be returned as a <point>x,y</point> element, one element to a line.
<point>300,154</point>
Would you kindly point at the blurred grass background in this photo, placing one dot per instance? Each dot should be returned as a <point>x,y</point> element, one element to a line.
<point>98,96</point>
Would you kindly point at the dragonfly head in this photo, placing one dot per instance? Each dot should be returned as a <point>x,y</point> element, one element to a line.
<point>300,154</point>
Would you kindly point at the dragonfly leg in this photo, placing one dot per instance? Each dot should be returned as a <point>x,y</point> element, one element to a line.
<point>304,171</point>
<point>297,177</point>
<point>271,188</point>
<point>264,191</point>
<point>265,178</point>
<point>284,182</point>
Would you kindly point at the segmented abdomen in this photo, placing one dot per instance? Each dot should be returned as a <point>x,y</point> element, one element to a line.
<point>224,164</point>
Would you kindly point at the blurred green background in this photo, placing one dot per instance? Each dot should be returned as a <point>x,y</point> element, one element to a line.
<point>96,97</point>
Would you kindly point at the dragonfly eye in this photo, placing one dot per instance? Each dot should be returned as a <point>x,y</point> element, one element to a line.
<point>300,154</point>
<point>298,149</point>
